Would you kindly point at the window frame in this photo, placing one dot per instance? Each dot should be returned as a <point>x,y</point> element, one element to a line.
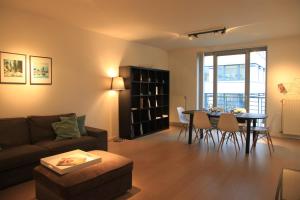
<point>215,55</point>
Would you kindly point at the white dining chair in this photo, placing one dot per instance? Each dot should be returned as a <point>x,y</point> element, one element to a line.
<point>183,121</point>
<point>228,125</point>
<point>263,132</point>
<point>201,122</point>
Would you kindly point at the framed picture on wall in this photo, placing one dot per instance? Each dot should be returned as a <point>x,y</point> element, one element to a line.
<point>12,68</point>
<point>40,70</point>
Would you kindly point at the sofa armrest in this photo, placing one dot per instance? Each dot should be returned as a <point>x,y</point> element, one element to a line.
<point>99,134</point>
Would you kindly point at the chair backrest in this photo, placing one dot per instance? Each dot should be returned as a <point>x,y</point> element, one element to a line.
<point>201,120</point>
<point>181,116</point>
<point>228,123</point>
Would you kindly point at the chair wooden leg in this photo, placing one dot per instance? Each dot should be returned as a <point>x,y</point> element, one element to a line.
<point>254,142</point>
<point>268,142</point>
<point>196,136</point>
<point>234,142</point>
<point>212,138</point>
<point>269,136</point>
<point>222,140</point>
<point>241,135</point>
<point>228,138</point>
<point>206,136</point>
<point>180,132</point>
<point>236,139</point>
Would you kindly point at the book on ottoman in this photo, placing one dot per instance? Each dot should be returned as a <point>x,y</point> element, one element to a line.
<point>67,162</point>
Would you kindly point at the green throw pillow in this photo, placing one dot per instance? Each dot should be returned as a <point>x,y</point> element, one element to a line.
<point>80,122</point>
<point>66,129</point>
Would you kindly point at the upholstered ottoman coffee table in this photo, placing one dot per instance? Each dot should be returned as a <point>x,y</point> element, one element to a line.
<point>105,180</point>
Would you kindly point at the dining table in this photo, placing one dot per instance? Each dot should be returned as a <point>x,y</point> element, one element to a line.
<point>249,118</point>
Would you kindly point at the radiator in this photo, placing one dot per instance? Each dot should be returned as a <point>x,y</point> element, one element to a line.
<point>290,120</point>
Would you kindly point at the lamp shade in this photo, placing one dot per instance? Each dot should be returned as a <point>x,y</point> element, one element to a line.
<point>117,83</point>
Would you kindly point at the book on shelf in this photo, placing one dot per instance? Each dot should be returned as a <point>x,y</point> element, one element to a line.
<point>132,119</point>
<point>141,103</point>
<point>165,116</point>
<point>149,115</point>
<point>134,108</point>
<point>149,104</point>
<point>158,118</point>
<point>141,129</point>
<point>131,131</point>
<point>156,104</point>
<point>156,90</point>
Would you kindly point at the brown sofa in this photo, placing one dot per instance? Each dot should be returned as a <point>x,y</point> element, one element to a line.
<point>25,140</point>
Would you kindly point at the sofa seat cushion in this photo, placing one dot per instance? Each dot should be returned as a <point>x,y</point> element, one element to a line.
<point>15,157</point>
<point>84,143</point>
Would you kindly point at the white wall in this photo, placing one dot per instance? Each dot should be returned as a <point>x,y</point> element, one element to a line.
<point>82,62</point>
<point>283,67</point>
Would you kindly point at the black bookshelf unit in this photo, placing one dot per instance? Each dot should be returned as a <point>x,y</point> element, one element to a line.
<point>144,104</point>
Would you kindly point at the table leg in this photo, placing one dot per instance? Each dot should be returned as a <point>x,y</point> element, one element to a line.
<point>248,136</point>
<point>191,128</point>
<point>254,132</point>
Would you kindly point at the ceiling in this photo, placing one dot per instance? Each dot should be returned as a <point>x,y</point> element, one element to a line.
<point>161,23</point>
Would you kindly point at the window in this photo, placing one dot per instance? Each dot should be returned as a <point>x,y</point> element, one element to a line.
<point>235,78</point>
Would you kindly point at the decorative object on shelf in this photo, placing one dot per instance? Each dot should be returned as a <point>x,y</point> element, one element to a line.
<point>40,70</point>
<point>117,83</point>
<point>12,68</point>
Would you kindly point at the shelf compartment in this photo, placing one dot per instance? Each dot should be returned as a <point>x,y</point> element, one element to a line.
<point>144,89</point>
<point>135,74</point>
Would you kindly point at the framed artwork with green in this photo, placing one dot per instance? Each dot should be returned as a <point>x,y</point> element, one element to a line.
<point>40,70</point>
<point>12,68</point>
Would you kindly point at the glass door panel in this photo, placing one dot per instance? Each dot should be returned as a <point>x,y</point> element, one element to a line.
<point>257,82</point>
<point>231,81</point>
<point>208,74</point>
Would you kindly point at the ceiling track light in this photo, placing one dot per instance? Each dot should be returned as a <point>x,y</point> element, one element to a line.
<point>196,34</point>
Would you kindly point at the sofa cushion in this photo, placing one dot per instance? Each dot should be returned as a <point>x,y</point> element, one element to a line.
<point>40,127</point>
<point>13,132</point>
<point>67,128</point>
<point>15,157</point>
<point>84,143</point>
<point>80,123</point>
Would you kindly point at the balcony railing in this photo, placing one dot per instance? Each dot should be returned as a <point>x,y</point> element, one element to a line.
<point>229,101</point>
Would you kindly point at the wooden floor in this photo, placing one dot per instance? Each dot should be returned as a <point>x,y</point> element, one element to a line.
<point>165,168</point>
